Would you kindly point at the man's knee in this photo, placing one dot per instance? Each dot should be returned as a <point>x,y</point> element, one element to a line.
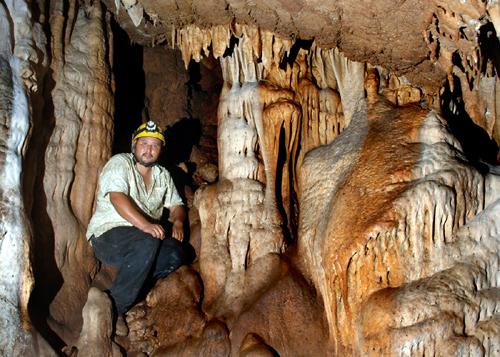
<point>177,257</point>
<point>176,250</point>
<point>172,256</point>
<point>145,245</point>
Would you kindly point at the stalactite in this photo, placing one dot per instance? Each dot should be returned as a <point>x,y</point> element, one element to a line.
<point>281,122</point>
<point>262,45</point>
<point>350,79</point>
<point>221,35</point>
<point>267,49</point>
<point>322,109</point>
<point>323,115</point>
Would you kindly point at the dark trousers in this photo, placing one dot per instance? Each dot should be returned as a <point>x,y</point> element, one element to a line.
<point>138,254</point>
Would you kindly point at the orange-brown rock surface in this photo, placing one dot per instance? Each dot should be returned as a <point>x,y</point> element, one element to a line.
<point>78,148</point>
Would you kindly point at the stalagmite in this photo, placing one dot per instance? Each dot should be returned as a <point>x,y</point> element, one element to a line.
<point>95,338</point>
<point>170,322</point>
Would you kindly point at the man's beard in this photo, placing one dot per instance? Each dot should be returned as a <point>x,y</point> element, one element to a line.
<point>136,159</point>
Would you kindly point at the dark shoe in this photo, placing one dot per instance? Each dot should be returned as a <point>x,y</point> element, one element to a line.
<point>121,328</point>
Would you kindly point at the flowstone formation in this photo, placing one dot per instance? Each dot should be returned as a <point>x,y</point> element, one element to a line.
<point>344,163</point>
<point>76,152</point>
<point>389,268</point>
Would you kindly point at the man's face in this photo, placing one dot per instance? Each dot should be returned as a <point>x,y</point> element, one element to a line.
<point>147,150</point>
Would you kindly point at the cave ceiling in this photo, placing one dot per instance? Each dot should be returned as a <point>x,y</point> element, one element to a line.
<point>394,34</point>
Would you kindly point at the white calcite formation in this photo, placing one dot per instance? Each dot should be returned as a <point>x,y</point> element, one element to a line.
<point>17,338</point>
<point>16,279</point>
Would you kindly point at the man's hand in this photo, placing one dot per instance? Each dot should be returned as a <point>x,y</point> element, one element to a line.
<point>155,230</point>
<point>124,207</point>
<point>178,231</point>
<point>178,214</point>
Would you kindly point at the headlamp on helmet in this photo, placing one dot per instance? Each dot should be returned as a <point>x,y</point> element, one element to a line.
<point>149,129</point>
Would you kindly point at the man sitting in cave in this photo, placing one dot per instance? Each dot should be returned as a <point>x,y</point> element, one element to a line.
<point>125,230</point>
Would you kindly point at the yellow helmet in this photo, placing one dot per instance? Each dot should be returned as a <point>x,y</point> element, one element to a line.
<point>149,129</point>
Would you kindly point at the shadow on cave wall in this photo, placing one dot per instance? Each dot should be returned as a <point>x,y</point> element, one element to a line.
<point>48,279</point>
<point>130,89</point>
<point>477,145</point>
<point>180,139</point>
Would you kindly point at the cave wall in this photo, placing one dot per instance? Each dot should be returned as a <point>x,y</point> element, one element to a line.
<point>346,187</point>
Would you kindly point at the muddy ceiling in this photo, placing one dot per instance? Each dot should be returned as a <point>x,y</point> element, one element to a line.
<point>395,34</point>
